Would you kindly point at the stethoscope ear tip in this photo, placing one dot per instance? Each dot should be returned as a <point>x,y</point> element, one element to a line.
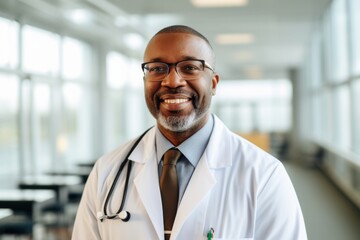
<point>124,215</point>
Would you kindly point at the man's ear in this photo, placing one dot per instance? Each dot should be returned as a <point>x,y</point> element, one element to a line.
<point>215,80</point>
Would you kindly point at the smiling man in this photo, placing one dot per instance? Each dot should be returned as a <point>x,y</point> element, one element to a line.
<point>189,177</point>
<point>179,83</point>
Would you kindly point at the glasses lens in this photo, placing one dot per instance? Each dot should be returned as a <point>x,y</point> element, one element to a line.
<point>190,69</point>
<point>155,71</point>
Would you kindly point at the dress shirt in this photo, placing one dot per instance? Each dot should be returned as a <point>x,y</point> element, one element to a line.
<point>192,150</point>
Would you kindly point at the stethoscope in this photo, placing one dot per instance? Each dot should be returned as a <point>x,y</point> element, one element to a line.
<point>122,214</point>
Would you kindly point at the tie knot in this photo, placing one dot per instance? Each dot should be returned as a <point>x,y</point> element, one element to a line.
<point>171,156</point>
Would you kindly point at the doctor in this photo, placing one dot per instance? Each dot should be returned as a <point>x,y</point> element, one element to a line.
<point>226,188</point>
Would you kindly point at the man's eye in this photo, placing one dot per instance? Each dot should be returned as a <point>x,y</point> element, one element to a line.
<point>189,68</point>
<point>157,69</point>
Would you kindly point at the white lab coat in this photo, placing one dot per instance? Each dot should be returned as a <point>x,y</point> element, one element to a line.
<point>237,189</point>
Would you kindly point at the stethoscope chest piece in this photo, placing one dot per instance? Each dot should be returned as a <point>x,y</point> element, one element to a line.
<point>124,215</point>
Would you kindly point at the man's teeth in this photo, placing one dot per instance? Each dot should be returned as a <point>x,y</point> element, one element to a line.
<point>174,101</point>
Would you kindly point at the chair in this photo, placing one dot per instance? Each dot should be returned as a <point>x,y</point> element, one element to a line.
<point>17,226</point>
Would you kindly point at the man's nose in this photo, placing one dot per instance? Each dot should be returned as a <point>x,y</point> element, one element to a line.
<point>173,79</point>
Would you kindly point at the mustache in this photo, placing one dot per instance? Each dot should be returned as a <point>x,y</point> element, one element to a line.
<point>160,93</point>
<point>173,91</point>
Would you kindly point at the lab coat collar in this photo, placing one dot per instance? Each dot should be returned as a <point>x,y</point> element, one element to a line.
<point>219,143</point>
<point>200,185</point>
<point>146,147</point>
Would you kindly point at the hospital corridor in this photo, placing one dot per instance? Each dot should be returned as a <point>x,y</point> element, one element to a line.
<point>78,79</point>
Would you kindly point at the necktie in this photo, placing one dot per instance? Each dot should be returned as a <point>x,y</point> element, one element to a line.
<point>169,188</point>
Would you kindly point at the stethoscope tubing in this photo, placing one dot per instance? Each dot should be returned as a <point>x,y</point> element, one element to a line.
<point>122,165</point>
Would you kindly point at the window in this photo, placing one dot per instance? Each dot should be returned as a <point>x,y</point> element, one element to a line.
<point>116,78</point>
<point>117,69</point>
<point>317,117</point>
<point>40,51</point>
<point>126,115</point>
<point>342,117</point>
<point>9,103</point>
<point>75,142</point>
<point>9,132</point>
<point>355,35</point>
<point>335,111</point>
<point>76,60</point>
<point>356,117</point>
<point>8,43</point>
<point>238,117</point>
<point>47,102</point>
<point>41,127</point>
<point>255,105</point>
<point>340,40</point>
<point>328,53</point>
<point>327,127</point>
<point>315,62</point>
<point>40,58</point>
<point>136,75</point>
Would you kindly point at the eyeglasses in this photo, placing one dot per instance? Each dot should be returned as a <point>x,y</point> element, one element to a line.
<point>186,69</point>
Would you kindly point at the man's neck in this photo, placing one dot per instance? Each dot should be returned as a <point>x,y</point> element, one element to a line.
<point>176,138</point>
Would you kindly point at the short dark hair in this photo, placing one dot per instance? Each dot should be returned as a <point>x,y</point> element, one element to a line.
<point>183,29</point>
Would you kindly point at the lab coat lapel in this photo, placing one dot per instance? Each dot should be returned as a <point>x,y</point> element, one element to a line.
<point>203,179</point>
<point>147,181</point>
<point>199,186</point>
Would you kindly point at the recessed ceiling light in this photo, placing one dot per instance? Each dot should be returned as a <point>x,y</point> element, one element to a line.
<point>133,40</point>
<point>80,16</point>
<point>238,38</point>
<point>218,3</point>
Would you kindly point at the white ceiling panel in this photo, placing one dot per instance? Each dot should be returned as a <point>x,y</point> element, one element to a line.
<point>281,28</point>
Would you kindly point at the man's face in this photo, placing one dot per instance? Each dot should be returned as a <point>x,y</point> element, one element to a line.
<point>177,104</point>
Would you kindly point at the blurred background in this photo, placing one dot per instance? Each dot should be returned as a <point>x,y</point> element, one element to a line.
<point>71,90</point>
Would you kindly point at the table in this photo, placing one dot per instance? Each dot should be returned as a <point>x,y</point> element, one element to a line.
<point>5,212</point>
<point>28,201</point>
<point>59,184</point>
<point>86,164</point>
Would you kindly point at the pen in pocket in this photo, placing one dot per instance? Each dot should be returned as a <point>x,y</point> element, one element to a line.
<point>210,234</point>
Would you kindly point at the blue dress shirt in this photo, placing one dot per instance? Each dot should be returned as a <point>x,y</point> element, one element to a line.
<point>192,150</point>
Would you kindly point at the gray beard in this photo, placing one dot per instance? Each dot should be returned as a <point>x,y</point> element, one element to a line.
<point>177,124</point>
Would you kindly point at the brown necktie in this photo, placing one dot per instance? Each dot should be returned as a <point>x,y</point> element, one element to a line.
<point>169,188</point>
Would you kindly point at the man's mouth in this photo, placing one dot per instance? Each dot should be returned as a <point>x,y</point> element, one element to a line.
<point>175,100</point>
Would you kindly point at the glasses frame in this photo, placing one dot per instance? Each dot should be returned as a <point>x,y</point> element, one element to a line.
<point>203,62</point>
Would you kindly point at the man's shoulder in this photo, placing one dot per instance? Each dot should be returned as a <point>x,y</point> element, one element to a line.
<point>118,154</point>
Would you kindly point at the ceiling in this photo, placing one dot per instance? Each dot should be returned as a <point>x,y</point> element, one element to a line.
<point>280,29</point>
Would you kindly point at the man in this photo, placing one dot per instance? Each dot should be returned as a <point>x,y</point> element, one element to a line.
<point>225,187</point>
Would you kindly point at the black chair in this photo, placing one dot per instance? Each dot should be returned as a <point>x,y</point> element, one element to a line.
<point>18,226</point>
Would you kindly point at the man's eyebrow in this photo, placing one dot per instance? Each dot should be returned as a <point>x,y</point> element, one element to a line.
<point>155,60</point>
<point>189,58</point>
<point>183,58</point>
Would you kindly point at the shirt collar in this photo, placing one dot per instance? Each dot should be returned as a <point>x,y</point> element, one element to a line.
<point>192,148</point>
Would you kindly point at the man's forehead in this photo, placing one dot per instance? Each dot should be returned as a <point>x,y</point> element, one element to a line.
<point>165,41</point>
<point>179,36</point>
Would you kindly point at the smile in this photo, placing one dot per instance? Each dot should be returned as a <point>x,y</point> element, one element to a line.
<point>176,101</point>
